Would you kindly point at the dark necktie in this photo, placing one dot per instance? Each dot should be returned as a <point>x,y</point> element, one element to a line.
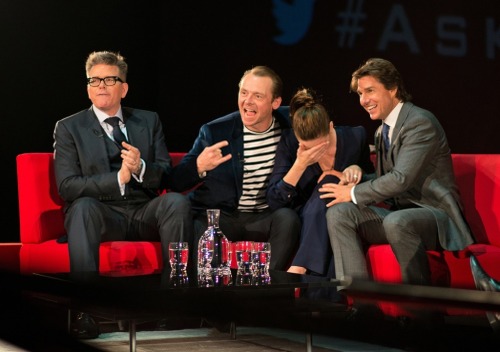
<point>385,137</point>
<point>117,132</point>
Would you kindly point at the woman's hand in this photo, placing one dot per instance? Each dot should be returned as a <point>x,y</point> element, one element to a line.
<point>352,174</point>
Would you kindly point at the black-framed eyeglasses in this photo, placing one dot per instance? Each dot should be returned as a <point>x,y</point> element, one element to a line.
<point>108,81</point>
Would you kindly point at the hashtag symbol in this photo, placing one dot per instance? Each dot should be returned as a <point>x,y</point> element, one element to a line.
<point>350,23</point>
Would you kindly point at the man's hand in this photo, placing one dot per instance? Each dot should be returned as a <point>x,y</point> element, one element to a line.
<point>340,193</point>
<point>131,162</point>
<point>211,157</point>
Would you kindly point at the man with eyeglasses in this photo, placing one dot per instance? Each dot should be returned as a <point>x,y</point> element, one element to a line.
<point>111,162</point>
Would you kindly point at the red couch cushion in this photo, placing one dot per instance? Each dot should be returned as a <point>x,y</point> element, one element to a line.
<point>42,222</point>
<point>478,180</point>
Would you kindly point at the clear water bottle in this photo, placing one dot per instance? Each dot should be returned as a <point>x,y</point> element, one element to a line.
<point>214,254</point>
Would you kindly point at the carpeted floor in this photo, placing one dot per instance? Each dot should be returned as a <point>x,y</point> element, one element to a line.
<point>248,339</point>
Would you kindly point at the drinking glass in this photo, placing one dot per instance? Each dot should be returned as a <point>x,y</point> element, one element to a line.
<point>178,253</point>
<point>261,257</point>
<point>243,259</point>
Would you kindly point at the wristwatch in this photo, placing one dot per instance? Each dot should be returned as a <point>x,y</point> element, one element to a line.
<point>202,174</point>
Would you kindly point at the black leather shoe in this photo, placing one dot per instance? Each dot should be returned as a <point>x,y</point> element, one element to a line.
<point>486,283</point>
<point>364,313</point>
<point>84,327</point>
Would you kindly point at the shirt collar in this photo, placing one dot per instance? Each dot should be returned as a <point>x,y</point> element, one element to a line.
<point>393,115</point>
<point>101,115</point>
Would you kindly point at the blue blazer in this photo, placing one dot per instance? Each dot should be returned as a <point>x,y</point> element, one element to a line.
<point>222,186</point>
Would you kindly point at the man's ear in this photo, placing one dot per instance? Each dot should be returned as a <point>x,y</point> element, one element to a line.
<point>276,103</point>
<point>124,90</point>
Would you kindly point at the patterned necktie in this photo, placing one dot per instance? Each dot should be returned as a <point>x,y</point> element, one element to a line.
<point>385,137</point>
<point>117,132</point>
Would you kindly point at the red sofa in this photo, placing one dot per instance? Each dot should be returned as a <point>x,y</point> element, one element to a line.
<point>41,223</point>
<point>478,179</point>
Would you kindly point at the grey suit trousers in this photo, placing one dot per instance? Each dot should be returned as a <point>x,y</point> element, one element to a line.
<point>410,232</point>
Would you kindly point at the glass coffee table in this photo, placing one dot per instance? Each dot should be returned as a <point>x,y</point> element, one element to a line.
<point>154,296</point>
<point>157,295</point>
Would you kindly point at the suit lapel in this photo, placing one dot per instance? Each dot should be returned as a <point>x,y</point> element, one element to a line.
<point>95,142</point>
<point>135,130</point>
<point>237,152</point>
<point>403,115</point>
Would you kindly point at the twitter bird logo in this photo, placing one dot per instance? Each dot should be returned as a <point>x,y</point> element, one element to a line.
<point>293,19</point>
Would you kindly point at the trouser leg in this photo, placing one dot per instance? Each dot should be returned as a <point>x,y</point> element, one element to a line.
<point>88,223</point>
<point>168,217</point>
<point>411,232</point>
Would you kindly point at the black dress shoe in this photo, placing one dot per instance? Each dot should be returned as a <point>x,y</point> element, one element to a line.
<point>486,283</point>
<point>84,327</point>
<point>364,313</point>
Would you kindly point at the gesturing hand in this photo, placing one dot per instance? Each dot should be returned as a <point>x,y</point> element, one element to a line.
<point>211,157</point>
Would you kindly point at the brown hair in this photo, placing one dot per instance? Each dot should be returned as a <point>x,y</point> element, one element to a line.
<point>264,71</point>
<point>309,117</point>
<point>384,72</point>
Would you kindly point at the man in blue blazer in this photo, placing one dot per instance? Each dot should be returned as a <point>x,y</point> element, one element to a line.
<point>414,177</point>
<point>110,176</point>
<point>230,164</point>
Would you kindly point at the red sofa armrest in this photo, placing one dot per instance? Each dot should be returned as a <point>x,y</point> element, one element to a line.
<point>40,207</point>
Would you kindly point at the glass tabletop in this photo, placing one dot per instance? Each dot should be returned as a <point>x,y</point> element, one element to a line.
<point>163,281</point>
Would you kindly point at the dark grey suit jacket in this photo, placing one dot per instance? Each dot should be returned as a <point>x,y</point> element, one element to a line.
<point>421,174</point>
<point>81,161</point>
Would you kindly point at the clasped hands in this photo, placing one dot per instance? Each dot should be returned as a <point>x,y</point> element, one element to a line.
<point>131,162</point>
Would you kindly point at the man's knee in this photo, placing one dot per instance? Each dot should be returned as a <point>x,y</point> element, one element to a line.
<point>83,206</point>
<point>286,215</point>
<point>175,202</point>
<point>341,212</point>
<point>286,227</point>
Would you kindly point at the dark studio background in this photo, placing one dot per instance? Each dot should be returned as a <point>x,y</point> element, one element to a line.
<point>186,58</point>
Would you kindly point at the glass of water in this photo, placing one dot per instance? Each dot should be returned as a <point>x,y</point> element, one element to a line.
<point>261,257</point>
<point>244,262</point>
<point>178,253</point>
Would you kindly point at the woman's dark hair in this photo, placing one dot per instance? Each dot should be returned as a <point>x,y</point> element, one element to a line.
<point>308,115</point>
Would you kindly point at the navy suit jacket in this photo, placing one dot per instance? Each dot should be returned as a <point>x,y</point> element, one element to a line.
<point>81,160</point>
<point>222,186</point>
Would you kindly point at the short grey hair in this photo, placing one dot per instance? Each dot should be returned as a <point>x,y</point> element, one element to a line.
<point>107,58</point>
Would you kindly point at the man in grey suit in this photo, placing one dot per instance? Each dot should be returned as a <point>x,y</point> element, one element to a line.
<point>414,178</point>
<point>110,174</point>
